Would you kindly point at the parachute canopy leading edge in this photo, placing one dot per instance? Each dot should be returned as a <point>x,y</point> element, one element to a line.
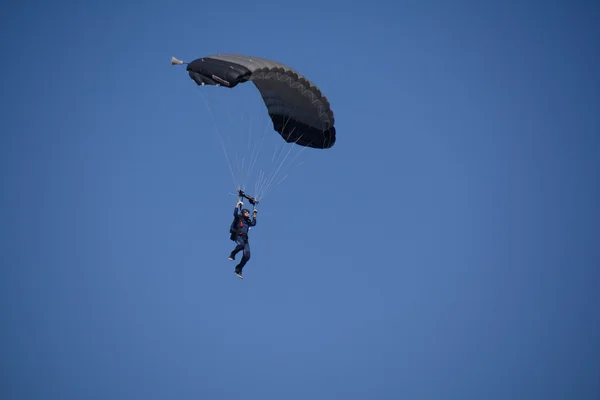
<point>301,114</point>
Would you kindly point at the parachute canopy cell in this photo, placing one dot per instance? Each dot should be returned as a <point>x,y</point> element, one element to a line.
<point>301,114</point>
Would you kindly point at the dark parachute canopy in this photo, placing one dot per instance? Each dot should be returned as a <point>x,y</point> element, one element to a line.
<point>300,113</point>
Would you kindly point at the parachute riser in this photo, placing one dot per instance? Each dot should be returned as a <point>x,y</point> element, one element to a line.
<point>250,199</point>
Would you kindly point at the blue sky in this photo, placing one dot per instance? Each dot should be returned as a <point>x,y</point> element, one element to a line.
<point>445,248</point>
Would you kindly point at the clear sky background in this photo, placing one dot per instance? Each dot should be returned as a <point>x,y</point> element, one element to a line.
<point>447,246</point>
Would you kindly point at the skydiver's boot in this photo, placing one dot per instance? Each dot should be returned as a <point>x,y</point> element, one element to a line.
<point>231,257</point>
<point>238,272</point>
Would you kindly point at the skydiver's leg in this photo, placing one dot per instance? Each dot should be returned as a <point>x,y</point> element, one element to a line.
<point>241,243</point>
<point>245,257</point>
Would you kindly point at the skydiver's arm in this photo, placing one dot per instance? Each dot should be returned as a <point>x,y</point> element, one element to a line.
<point>237,209</point>
<point>253,221</point>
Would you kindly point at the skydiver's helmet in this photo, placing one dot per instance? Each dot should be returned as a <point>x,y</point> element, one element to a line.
<point>245,210</point>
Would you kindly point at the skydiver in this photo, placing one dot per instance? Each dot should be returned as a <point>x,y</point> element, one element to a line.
<point>239,234</point>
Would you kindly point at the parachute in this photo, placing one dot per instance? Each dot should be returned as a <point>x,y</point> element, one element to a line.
<point>298,110</point>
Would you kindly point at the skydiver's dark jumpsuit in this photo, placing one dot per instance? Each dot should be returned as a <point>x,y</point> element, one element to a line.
<point>242,224</point>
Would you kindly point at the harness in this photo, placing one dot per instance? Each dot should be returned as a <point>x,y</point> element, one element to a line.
<point>240,233</point>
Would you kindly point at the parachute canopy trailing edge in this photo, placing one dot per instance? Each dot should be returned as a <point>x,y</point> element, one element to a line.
<point>301,114</point>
